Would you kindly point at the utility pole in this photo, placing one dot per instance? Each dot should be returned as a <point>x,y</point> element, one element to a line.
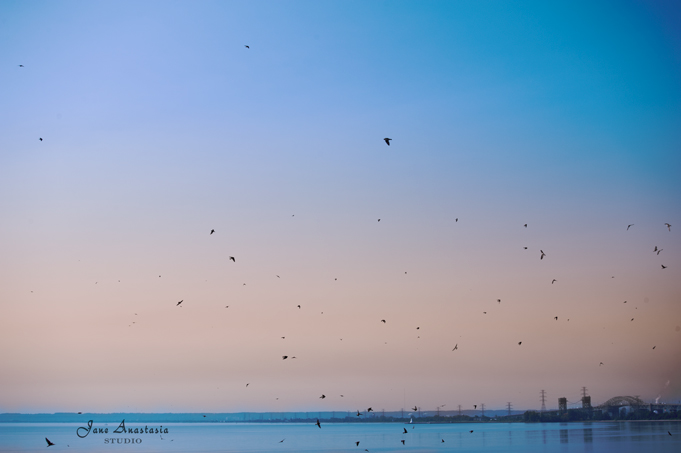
<point>459,410</point>
<point>438,411</point>
<point>483,409</point>
<point>543,401</point>
<point>583,392</point>
<point>509,407</point>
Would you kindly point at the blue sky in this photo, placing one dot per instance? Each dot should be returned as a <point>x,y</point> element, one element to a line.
<point>159,125</point>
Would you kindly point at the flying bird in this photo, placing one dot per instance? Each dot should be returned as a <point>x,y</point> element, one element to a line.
<point>519,343</point>
<point>49,444</point>
<point>658,252</point>
<point>323,396</point>
<point>669,227</point>
<point>655,249</point>
<point>542,255</point>
<point>282,440</point>
<point>629,226</point>
<point>369,410</point>
<point>247,384</point>
<point>357,443</point>
<point>318,424</point>
<point>553,281</point>
<point>416,408</point>
<point>471,430</point>
<point>556,318</point>
<point>654,347</point>
<point>211,232</point>
<point>232,258</point>
<point>180,302</point>
<point>443,441</point>
<point>21,66</point>
<point>663,266</point>
<point>298,306</point>
<point>358,414</point>
<point>402,441</point>
<point>600,364</point>
<point>284,357</point>
<point>456,346</point>
<point>525,225</point>
<point>383,321</point>
<point>669,433</point>
<point>41,139</point>
<point>387,140</point>
<point>499,300</point>
<point>246,46</point>
<point>405,430</point>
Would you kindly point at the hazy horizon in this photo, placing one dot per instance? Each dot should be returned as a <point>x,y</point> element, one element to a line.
<point>159,125</point>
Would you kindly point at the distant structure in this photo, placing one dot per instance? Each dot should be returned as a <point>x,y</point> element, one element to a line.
<point>562,405</point>
<point>459,410</point>
<point>543,401</point>
<point>508,405</point>
<point>586,400</point>
<point>483,409</point>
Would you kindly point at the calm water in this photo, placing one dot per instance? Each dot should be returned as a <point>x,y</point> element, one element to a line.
<point>243,437</point>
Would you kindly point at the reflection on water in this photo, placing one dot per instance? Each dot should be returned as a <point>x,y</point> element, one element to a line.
<point>625,437</point>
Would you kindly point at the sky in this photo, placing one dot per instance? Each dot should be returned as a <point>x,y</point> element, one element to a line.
<point>160,125</point>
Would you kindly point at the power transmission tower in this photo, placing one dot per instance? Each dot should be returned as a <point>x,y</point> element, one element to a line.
<point>459,410</point>
<point>509,408</point>
<point>543,401</point>
<point>583,392</point>
<point>483,409</point>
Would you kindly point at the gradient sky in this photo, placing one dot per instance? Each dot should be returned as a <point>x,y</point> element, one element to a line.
<point>159,125</point>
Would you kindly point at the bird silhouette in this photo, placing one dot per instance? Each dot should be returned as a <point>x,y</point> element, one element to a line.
<point>284,357</point>
<point>471,430</point>
<point>383,321</point>
<point>278,276</point>
<point>416,408</point>
<point>542,255</point>
<point>282,440</point>
<point>379,220</point>
<point>663,266</point>
<point>443,441</point>
<point>41,139</point>
<point>405,430</point>
<point>211,232</point>
<point>402,441</point>
<point>180,302</point>
<point>369,410</point>
<point>600,364</point>
<point>49,444</point>
<point>525,248</point>
<point>519,343</point>
<point>658,252</point>
<point>629,226</point>
<point>359,414</point>
<point>655,249</point>
<point>669,227</point>
<point>357,443</point>
<point>553,281</point>
<point>21,66</point>
<point>298,306</point>
<point>499,300</point>
<point>232,258</point>
<point>669,433</point>
<point>323,396</point>
<point>387,140</point>
<point>318,424</point>
<point>475,406</point>
<point>525,225</point>
<point>247,384</point>
<point>654,347</point>
<point>556,318</point>
<point>246,46</point>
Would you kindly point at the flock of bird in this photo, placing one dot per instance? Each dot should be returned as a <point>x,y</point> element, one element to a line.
<point>542,255</point>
